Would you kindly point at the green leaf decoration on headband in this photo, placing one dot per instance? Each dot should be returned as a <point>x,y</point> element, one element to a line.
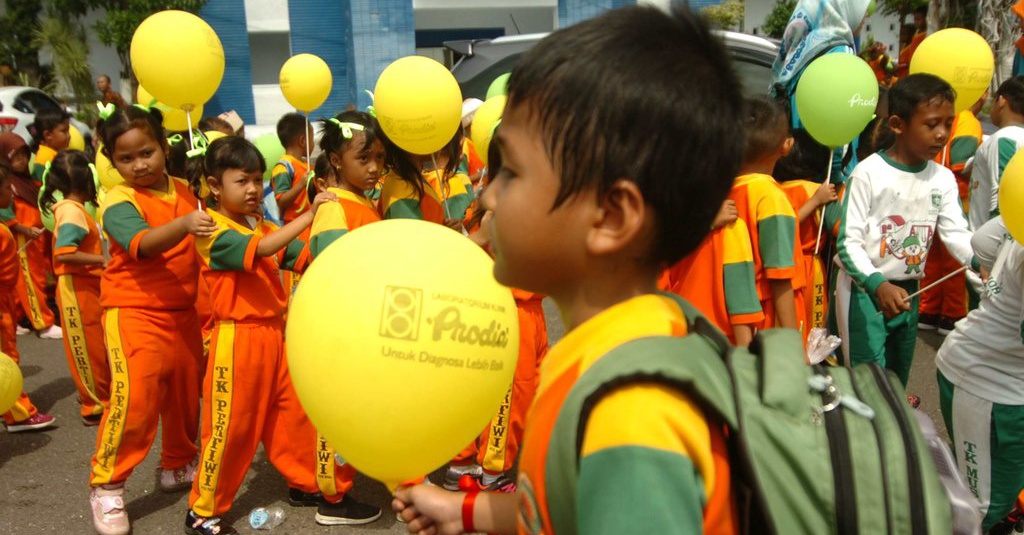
<point>371,111</point>
<point>310,177</point>
<point>106,110</point>
<point>95,176</point>
<point>148,108</point>
<point>174,140</point>
<point>347,128</point>
<point>494,128</point>
<point>201,144</point>
<point>46,172</point>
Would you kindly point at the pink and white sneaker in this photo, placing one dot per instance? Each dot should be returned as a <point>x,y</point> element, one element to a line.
<point>178,479</point>
<point>36,422</point>
<point>108,514</point>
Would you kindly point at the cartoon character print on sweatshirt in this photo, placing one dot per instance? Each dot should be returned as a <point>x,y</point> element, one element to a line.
<point>906,241</point>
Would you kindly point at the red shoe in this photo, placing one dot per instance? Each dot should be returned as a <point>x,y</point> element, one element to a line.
<point>503,483</point>
<point>914,401</point>
<point>34,423</point>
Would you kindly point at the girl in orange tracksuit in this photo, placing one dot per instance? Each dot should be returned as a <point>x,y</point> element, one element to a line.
<point>350,165</point>
<point>490,458</point>
<point>148,293</point>
<point>26,223</point>
<point>23,416</point>
<point>248,390</point>
<point>78,262</point>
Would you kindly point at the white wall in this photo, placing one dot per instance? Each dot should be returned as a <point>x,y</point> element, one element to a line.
<point>267,16</point>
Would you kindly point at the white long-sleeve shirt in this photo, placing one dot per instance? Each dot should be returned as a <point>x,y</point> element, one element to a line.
<point>984,354</point>
<point>891,212</point>
<point>987,172</point>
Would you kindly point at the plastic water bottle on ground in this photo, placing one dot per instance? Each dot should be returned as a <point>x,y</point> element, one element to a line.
<point>266,518</point>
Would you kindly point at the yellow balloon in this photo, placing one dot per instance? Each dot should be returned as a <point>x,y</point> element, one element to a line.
<point>108,175</point>
<point>306,81</point>
<point>418,104</point>
<point>178,57</point>
<point>11,382</point>
<point>401,354</point>
<point>175,119</point>
<point>960,57</point>
<point>77,139</point>
<point>482,129</point>
<point>1011,196</point>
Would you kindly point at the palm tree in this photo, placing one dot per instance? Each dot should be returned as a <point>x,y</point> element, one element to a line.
<point>64,38</point>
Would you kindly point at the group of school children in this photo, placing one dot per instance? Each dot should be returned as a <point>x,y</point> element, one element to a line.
<point>174,291</point>
<point>582,202</point>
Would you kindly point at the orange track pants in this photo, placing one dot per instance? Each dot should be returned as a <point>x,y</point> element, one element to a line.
<point>949,299</point>
<point>35,264</point>
<point>23,409</point>
<point>81,316</point>
<point>250,398</point>
<point>154,378</point>
<point>497,448</point>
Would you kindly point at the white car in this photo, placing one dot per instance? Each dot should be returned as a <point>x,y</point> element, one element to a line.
<point>18,108</point>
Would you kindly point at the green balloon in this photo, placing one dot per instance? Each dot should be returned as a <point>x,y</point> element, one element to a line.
<point>270,147</point>
<point>836,98</point>
<point>47,217</point>
<point>498,87</point>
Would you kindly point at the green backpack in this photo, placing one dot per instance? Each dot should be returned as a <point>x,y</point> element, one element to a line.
<point>812,450</point>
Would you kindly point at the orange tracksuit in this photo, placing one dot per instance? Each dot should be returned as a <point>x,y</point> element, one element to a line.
<point>950,298</point>
<point>815,296</point>
<point>248,391</point>
<point>497,448</point>
<point>287,172</point>
<point>771,222</point>
<point>34,262</point>
<point>152,335</point>
<point>23,409</point>
<point>78,295</point>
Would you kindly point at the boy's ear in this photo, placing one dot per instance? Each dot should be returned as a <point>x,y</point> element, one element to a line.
<point>787,146</point>
<point>214,185</point>
<point>621,219</point>
<point>896,124</point>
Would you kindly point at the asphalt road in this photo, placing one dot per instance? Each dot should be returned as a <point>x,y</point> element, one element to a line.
<point>43,475</point>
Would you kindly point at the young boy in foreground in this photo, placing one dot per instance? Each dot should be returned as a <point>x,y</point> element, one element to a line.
<point>589,207</point>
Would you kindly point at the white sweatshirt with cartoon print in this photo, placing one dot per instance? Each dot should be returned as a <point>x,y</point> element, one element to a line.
<point>890,214</point>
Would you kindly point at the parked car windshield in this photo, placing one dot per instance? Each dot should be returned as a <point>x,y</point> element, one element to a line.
<point>34,102</point>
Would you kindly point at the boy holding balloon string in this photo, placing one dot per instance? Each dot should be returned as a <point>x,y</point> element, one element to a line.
<point>895,201</point>
<point>589,210</point>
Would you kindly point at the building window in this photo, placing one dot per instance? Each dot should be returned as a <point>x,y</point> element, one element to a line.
<point>268,51</point>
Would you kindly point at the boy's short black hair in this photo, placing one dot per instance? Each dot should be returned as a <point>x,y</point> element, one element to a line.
<point>290,127</point>
<point>1012,90</point>
<point>216,124</point>
<point>910,92</point>
<point>661,108</point>
<point>922,10</point>
<point>765,127</point>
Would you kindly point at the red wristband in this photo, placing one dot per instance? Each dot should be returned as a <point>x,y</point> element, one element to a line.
<point>467,511</point>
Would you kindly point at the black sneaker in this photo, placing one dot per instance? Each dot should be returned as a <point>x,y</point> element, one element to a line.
<point>298,498</point>
<point>927,322</point>
<point>197,525</point>
<point>347,512</point>
<point>946,325</point>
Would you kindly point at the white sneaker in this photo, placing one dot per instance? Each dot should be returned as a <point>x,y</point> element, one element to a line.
<point>178,479</point>
<point>108,514</point>
<point>52,332</point>
<point>21,331</point>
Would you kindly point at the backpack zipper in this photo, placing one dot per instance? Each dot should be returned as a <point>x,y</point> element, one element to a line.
<point>839,450</point>
<point>918,518</point>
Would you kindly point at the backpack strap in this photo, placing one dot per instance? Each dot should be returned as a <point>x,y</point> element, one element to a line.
<point>692,364</point>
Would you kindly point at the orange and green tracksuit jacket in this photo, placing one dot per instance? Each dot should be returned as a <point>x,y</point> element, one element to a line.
<point>78,295</point>
<point>335,219</point>
<point>400,200</point>
<point>718,279</point>
<point>772,225</point>
<point>287,172</point>
<point>650,460</point>
<point>250,398</point>
<point>153,339</point>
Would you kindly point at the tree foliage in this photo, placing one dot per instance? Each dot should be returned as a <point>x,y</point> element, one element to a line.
<point>17,28</point>
<point>728,15</point>
<point>900,8</point>
<point>775,23</point>
<point>64,37</point>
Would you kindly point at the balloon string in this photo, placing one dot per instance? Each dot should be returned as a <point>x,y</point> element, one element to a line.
<point>821,218</point>
<point>192,146</point>
<point>441,185</point>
